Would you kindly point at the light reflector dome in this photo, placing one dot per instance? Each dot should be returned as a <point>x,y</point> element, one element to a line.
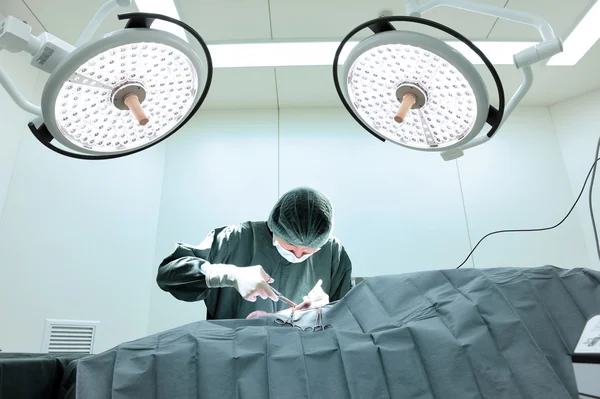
<point>83,103</point>
<point>417,91</point>
<point>114,96</point>
<point>449,100</point>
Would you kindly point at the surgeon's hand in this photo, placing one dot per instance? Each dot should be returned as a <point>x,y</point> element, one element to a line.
<point>252,282</point>
<point>316,298</point>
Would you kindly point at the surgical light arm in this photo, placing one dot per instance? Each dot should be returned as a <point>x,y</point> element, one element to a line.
<point>100,16</point>
<point>47,50</point>
<point>548,47</point>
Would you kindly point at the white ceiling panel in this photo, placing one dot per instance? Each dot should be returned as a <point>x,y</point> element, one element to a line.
<point>333,19</point>
<point>561,14</point>
<point>66,19</point>
<point>18,9</point>
<point>224,20</point>
<point>239,88</point>
<point>227,20</point>
<point>472,25</point>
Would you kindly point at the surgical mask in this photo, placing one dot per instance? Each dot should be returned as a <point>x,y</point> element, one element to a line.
<point>288,255</point>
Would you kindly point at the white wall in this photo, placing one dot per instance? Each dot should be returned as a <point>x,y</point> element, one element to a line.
<point>518,181</point>
<point>577,124</point>
<point>76,238</point>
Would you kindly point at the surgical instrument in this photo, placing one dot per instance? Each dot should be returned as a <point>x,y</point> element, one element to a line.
<point>284,299</point>
<point>319,326</point>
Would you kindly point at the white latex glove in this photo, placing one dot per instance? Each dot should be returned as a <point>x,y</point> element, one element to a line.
<point>316,298</point>
<point>251,281</point>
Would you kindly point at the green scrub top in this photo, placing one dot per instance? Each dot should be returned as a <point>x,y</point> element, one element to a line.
<point>251,244</point>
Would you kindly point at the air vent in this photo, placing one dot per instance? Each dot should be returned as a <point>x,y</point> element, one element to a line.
<point>69,336</point>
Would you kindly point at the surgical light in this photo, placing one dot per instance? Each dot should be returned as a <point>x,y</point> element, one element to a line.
<point>419,92</point>
<point>116,95</point>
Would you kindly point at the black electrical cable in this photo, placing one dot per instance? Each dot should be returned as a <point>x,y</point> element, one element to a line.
<point>592,169</point>
<point>591,203</point>
<point>588,395</point>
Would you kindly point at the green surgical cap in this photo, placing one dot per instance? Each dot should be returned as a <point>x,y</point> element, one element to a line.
<point>302,217</point>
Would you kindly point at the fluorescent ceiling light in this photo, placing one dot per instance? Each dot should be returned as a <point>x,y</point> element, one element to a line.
<point>581,40</point>
<point>164,7</point>
<point>279,54</point>
<point>274,54</point>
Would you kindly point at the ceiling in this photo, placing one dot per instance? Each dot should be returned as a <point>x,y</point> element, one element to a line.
<point>286,87</point>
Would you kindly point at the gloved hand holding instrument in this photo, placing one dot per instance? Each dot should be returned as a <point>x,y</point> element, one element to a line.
<point>251,281</point>
<point>316,298</point>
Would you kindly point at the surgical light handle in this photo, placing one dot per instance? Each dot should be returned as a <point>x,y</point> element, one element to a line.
<point>408,100</point>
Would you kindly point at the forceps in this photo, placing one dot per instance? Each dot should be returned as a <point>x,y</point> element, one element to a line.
<point>284,299</point>
<point>319,326</point>
<point>288,322</point>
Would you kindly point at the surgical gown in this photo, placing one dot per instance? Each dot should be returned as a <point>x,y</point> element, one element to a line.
<point>250,244</point>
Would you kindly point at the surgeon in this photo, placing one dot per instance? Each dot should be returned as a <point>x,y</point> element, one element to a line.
<point>234,269</point>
